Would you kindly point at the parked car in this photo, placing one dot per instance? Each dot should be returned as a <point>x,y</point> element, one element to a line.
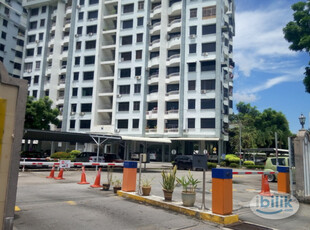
<point>112,157</point>
<point>33,154</point>
<point>184,162</point>
<point>89,157</point>
<point>271,166</point>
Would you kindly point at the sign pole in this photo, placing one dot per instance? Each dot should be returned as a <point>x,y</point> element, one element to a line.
<point>203,206</point>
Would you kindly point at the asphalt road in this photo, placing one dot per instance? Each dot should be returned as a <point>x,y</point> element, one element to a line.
<point>50,204</point>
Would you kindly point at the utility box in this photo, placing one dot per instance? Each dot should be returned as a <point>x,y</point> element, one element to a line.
<point>200,161</point>
<point>129,176</point>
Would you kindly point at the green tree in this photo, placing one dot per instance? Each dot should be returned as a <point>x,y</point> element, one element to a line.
<point>39,114</point>
<point>298,33</point>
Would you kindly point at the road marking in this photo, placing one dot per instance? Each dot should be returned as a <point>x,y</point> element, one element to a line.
<point>238,175</point>
<point>71,202</point>
<point>17,209</point>
<point>251,190</point>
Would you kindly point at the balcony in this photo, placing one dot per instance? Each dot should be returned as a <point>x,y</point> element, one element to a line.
<point>173,78</point>
<point>175,9</point>
<point>174,42</point>
<point>174,26</point>
<point>172,95</point>
<point>152,97</point>
<point>154,62</point>
<point>171,130</point>
<point>154,45</point>
<point>173,59</point>
<point>155,28</point>
<point>153,79</point>
<point>172,114</point>
<point>156,11</point>
<point>68,11</point>
<point>152,114</point>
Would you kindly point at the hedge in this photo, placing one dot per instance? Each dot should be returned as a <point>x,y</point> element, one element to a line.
<point>223,164</point>
<point>234,165</point>
<point>211,165</point>
<point>248,163</point>
<point>231,158</point>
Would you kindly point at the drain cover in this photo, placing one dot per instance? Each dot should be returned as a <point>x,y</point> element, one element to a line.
<point>247,226</point>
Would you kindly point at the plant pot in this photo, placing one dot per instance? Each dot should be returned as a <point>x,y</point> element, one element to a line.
<point>105,187</point>
<point>146,191</point>
<point>115,189</point>
<point>188,198</point>
<point>167,195</point>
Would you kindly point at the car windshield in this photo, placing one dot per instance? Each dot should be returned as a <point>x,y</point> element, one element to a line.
<point>280,160</point>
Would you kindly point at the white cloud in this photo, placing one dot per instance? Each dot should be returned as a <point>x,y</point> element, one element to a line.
<point>245,97</point>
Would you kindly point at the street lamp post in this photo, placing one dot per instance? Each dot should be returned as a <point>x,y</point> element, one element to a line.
<point>302,120</point>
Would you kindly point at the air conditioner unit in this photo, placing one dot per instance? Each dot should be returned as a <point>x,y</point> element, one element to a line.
<point>37,41</point>
<point>76,35</point>
<point>192,36</point>
<point>119,95</point>
<point>78,6</point>
<point>204,91</point>
<point>117,130</point>
<point>29,71</point>
<point>138,77</point>
<point>205,54</point>
<point>72,113</point>
<point>82,113</point>
<point>90,34</point>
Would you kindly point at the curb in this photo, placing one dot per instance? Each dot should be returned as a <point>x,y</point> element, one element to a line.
<point>177,207</point>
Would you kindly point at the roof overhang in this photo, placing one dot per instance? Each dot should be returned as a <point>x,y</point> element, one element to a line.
<point>146,139</point>
<point>195,139</point>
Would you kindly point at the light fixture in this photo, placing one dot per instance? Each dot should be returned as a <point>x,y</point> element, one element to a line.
<point>302,120</point>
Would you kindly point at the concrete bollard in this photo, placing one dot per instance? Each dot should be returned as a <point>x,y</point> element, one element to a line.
<point>222,202</point>
<point>129,176</point>
<point>283,179</point>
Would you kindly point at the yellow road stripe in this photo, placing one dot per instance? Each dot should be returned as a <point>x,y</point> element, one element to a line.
<point>17,209</point>
<point>71,202</point>
<point>238,175</point>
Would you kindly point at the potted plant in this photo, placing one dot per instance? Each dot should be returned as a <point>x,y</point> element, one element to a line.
<point>117,185</point>
<point>106,186</point>
<point>168,182</point>
<point>146,186</point>
<point>189,185</point>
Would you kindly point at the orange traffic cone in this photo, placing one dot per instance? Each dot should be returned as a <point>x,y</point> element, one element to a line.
<point>60,174</point>
<point>52,173</point>
<point>83,177</point>
<point>265,187</point>
<point>97,181</point>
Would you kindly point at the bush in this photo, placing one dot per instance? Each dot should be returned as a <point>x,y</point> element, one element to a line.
<point>255,166</point>
<point>62,156</point>
<point>231,158</point>
<point>233,165</point>
<point>248,163</point>
<point>223,163</point>
<point>74,154</point>
<point>211,165</point>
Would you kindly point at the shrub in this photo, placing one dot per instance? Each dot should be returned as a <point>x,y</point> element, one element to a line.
<point>61,155</point>
<point>255,166</point>
<point>231,158</point>
<point>223,163</point>
<point>211,165</point>
<point>74,154</point>
<point>233,165</point>
<point>248,163</point>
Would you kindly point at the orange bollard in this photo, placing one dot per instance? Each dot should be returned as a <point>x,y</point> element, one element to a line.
<point>52,173</point>
<point>97,181</point>
<point>283,179</point>
<point>222,202</point>
<point>265,191</point>
<point>83,177</point>
<point>129,176</point>
<point>60,175</point>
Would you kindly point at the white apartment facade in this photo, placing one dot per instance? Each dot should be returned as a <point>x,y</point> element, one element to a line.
<point>153,72</point>
<point>13,20</point>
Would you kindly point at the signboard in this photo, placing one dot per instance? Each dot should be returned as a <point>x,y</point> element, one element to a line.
<point>200,161</point>
<point>64,164</point>
<point>173,151</point>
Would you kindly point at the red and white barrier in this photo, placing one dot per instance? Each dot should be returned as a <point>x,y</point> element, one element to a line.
<point>260,172</point>
<point>40,159</point>
<point>72,164</point>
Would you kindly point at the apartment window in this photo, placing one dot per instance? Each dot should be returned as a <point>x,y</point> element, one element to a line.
<point>36,79</point>
<point>39,50</point>
<point>207,123</point>
<point>73,108</point>
<point>208,12</point>
<point>35,93</point>
<point>192,48</point>
<point>89,60</point>
<point>79,30</point>
<point>41,36</point>
<point>191,104</point>
<point>88,75</point>
<point>192,85</point>
<point>92,2</point>
<point>43,10</point>
<point>128,8</point>
<point>208,29</point>
<point>17,53</point>
<point>90,44</point>
<point>136,105</point>
<point>123,106</point>
<point>74,92</point>
<point>20,42</point>
<point>82,2</point>
<point>34,11</point>
<point>192,30</point>
<point>139,38</point>
<point>88,91</point>
<point>124,89</point>
<point>135,123</point>
<point>92,15</point>
<point>207,65</point>
<point>38,63</point>
<point>192,67</point>
<point>5,23</point>
<point>127,40</point>
<point>137,88</point>
<point>77,61</point>
<point>91,29</point>
<point>122,124</point>
<point>138,54</point>
<point>207,103</point>
<point>125,73</point>
<point>3,35</point>
<point>140,5</point>
<point>208,84</point>
<point>126,56</point>
<point>86,107</point>
<point>33,25</point>
<point>2,47</point>
<point>76,76</point>
<point>29,52</point>
<point>78,45</point>
<point>127,24</point>
<point>72,124</point>
<point>6,11</point>
<point>208,47</point>
<point>42,22</point>
<point>47,93</point>
<point>193,13</point>
<point>138,71</point>
<point>81,16</point>
<point>28,67</point>
<point>140,22</point>
<point>84,124</point>
<point>31,38</point>
<point>191,123</point>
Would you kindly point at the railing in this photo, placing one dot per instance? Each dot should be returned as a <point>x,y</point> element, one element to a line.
<point>172,111</point>
<point>155,8</point>
<point>171,130</point>
<point>172,92</point>
<point>155,41</point>
<point>173,56</point>
<point>153,76</point>
<point>173,75</point>
<point>174,21</point>
<point>153,111</point>
<point>152,130</point>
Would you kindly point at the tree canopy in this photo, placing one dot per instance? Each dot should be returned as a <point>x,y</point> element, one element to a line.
<point>298,33</point>
<point>39,114</point>
<point>258,128</point>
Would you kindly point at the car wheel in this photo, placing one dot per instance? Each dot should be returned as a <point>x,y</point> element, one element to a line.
<point>271,178</point>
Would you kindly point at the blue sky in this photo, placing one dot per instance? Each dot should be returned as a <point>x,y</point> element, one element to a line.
<point>267,73</point>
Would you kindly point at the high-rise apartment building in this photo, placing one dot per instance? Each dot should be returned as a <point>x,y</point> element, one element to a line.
<point>139,69</point>
<point>13,20</point>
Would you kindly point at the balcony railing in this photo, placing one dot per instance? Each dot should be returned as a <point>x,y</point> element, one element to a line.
<point>173,75</point>
<point>173,56</point>
<point>172,92</point>
<point>172,111</point>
